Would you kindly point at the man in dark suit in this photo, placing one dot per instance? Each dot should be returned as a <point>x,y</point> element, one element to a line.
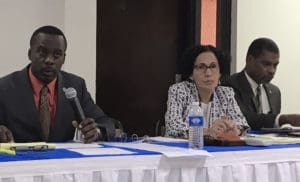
<point>260,100</point>
<point>25,94</point>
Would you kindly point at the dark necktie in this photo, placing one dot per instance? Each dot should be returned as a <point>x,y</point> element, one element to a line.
<point>45,118</point>
<point>258,98</point>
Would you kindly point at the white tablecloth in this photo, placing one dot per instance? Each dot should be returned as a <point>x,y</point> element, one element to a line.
<point>272,165</point>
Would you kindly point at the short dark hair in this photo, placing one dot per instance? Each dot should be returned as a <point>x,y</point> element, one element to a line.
<point>48,29</point>
<point>260,44</point>
<point>190,55</point>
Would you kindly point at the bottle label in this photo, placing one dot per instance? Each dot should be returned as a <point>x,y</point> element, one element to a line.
<point>196,120</point>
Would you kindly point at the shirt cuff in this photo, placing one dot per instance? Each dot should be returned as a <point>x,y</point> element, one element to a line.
<point>99,134</point>
<point>276,123</point>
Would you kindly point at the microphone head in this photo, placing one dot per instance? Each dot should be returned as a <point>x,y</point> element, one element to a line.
<point>70,93</point>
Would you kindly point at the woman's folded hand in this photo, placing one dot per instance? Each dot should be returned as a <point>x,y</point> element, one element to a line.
<point>223,125</point>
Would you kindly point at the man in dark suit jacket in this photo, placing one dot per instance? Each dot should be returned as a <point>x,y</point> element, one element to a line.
<point>20,97</point>
<point>261,108</point>
<point>246,100</point>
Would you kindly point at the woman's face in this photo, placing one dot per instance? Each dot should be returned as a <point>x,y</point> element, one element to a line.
<point>206,71</point>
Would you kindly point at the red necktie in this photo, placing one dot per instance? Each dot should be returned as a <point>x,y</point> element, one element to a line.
<point>45,118</point>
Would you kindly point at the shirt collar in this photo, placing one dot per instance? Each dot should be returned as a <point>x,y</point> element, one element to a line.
<point>37,85</point>
<point>252,83</point>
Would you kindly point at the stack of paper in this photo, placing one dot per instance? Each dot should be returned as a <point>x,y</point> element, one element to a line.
<point>269,139</point>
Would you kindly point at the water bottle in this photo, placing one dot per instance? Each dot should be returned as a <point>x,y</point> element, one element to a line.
<point>195,120</point>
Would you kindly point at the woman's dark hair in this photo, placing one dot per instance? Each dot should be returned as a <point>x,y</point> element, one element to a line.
<point>190,55</point>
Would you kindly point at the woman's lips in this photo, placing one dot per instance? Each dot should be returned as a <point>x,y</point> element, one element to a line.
<point>209,82</point>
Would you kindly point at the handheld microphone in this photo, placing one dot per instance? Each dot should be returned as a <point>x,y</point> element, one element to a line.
<point>71,94</point>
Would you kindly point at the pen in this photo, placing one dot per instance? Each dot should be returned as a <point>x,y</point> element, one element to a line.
<point>7,151</point>
<point>267,137</point>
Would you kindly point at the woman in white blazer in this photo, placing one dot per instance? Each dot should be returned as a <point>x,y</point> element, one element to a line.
<point>202,69</point>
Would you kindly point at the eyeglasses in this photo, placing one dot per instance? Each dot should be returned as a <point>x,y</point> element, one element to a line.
<point>203,67</point>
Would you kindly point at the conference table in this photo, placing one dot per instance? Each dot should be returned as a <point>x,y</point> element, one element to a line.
<point>152,162</point>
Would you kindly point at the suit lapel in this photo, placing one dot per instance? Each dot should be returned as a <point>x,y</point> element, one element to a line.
<point>270,97</point>
<point>28,104</point>
<point>62,126</point>
<point>247,90</point>
<point>61,99</point>
<point>216,108</point>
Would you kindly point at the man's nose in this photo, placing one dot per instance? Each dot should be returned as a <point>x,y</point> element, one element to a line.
<point>272,69</point>
<point>49,60</point>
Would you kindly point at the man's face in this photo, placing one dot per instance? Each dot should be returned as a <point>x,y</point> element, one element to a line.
<point>47,55</point>
<point>262,68</point>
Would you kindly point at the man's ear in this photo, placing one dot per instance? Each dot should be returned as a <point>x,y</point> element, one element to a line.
<point>29,54</point>
<point>64,58</point>
<point>249,58</point>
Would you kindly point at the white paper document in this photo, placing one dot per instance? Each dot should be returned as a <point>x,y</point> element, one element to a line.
<point>165,139</point>
<point>74,145</point>
<point>165,150</point>
<point>101,151</point>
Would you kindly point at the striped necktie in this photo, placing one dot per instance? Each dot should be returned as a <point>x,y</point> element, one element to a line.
<point>258,99</point>
<point>45,118</point>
